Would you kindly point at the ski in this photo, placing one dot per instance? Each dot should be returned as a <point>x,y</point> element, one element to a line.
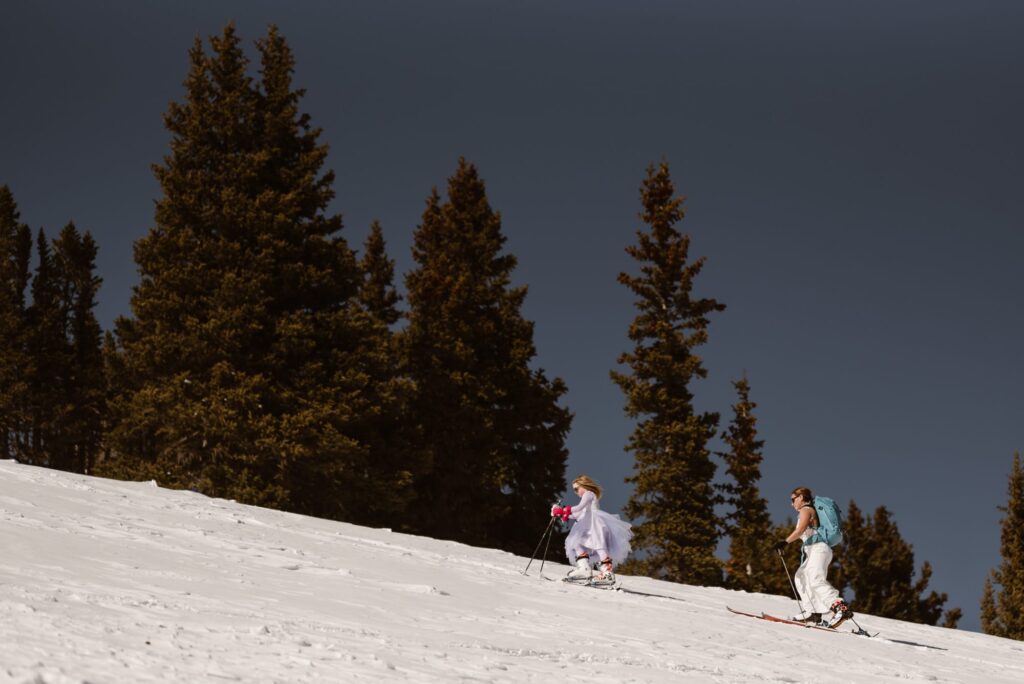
<point>858,630</point>
<point>772,618</point>
<point>593,584</point>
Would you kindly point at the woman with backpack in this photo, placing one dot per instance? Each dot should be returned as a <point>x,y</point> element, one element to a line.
<point>811,583</point>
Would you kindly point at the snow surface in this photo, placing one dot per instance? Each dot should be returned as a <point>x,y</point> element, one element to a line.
<point>107,581</point>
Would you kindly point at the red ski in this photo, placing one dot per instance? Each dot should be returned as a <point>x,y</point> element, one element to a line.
<point>772,618</point>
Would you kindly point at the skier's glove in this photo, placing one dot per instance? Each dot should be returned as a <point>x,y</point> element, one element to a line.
<point>780,546</point>
<point>562,512</point>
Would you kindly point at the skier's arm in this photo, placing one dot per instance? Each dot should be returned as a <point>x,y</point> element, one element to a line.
<point>585,500</point>
<point>801,524</point>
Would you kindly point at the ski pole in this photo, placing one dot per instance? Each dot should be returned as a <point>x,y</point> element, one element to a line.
<point>860,630</point>
<point>551,530</point>
<point>790,578</point>
<point>539,542</point>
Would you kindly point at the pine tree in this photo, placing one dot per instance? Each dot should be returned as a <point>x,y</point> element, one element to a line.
<point>878,565</point>
<point>989,616</point>
<point>492,425</point>
<point>80,434</point>
<point>1002,604</point>
<point>114,375</point>
<point>395,454</point>
<point>854,552</point>
<point>752,563</point>
<point>673,496</point>
<point>15,253</point>
<point>377,292</point>
<point>246,371</point>
<point>48,407</point>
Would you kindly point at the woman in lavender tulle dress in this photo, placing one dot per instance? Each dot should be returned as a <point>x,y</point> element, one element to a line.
<point>596,536</point>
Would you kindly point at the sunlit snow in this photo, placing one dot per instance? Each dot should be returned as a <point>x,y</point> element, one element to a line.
<point>105,581</point>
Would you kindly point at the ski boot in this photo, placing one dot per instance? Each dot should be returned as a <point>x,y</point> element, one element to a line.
<point>582,571</point>
<point>840,614</point>
<point>809,619</point>
<point>605,575</point>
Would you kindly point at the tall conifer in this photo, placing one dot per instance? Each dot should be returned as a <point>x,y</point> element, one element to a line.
<point>244,365</point>
<point>752,564</point>
<point>48,359</point>
<point>492,425</point>
<point>15,253</point>
<point>377,292</point>
<point>878,565</point>
<point>396,456</point>
<point>80,433</point>
<point>673,495</point>
<point>1002,604</point>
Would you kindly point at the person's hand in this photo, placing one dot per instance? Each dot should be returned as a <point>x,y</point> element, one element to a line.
<point>780,546</point>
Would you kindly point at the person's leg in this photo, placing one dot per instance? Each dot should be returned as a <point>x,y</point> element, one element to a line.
<point>605,563</point>
<point>803,590</point>
<point>821,594</point>
<point>582,569</point>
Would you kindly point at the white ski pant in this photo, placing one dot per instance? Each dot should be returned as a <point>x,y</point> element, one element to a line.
<point>816,593</point>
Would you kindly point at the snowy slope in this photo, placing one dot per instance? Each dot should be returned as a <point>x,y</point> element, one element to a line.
<point>105,581</point>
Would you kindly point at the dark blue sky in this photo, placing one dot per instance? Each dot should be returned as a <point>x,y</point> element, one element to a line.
<point>853,176</point>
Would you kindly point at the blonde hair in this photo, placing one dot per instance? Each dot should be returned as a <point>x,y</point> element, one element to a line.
<point>588,484</point>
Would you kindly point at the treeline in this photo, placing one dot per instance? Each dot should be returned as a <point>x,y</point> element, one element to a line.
<point>268,361</point>
<point>263,359</point>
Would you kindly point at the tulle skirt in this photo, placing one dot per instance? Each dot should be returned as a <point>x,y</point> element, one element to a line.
<point>600,531</point>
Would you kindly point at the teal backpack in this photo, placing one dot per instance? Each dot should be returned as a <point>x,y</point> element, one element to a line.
<point>830,523</point>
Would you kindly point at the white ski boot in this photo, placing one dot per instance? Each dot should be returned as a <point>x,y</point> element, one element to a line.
<point>582,571</point>
<point>605,574</point>
<point>840,614</point>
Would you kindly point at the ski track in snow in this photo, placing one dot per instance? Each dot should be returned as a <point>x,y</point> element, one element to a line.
<point>104,581</point>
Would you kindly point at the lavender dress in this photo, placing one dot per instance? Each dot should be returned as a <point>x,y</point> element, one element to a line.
<point>597,531</point>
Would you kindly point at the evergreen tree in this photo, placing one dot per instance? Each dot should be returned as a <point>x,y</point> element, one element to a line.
<point>878,565</point>
<point>1002,604</point>
<point>989,616</point>
<point>752,563</point>
<point>114,375</point>
<point>15,253</point>
<point>393,444</point>
<point>246,366</point>
<point>673,496</point>
<point>854,552</point>
<point>48,407</point>
<point>492,425</point>
<point>377,292</point>
<point>80,434</point>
